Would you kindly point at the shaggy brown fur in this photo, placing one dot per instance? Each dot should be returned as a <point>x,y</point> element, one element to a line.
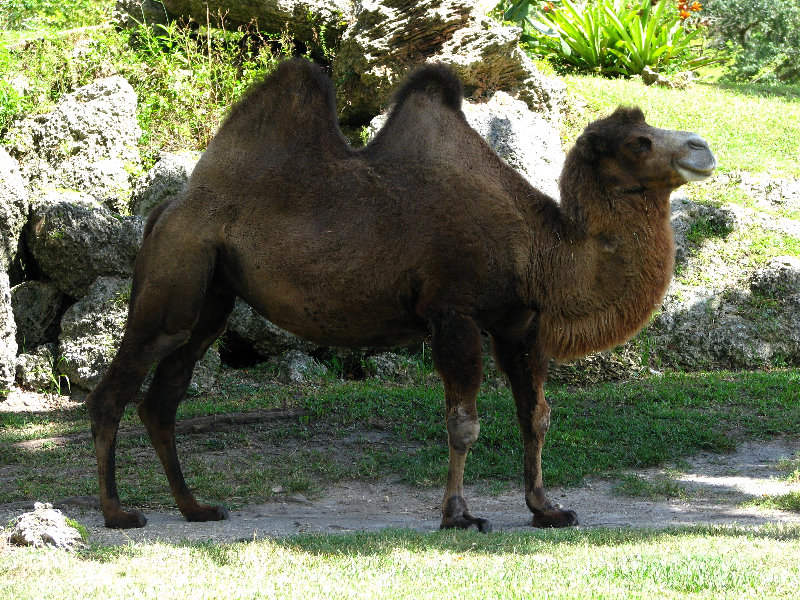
<point>425,232</point>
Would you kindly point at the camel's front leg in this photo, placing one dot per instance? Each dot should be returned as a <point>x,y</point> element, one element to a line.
<point>526,369</point>
<point>456,350</point>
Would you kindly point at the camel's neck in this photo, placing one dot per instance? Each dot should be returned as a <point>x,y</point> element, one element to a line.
<point>597,280</point>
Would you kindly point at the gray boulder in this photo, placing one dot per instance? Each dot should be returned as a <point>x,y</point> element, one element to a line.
<point>8,337</point>
<point>74,240</point>
<point>37,306</point>
<point>44,526</point>
<point>35,371</point>
<point>779,279</point>
<point>132,13</point>
<point>294,366</point>
<point>732,328</point>
<point>387,39</point>
<point>13,210</point>
<point>87,143</point>
<point>163,182</point>
<point>524,139</point>
<point>687,215</point>
<point>263,336</point>
<point>308,20</point>
<point>389,365</point>
<point>91,331</point>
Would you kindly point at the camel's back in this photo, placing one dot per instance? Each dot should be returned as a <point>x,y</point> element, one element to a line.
<point>348,247</point>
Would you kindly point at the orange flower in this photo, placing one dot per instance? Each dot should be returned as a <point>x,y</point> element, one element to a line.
<point>696,6</point>
<point>548,6</point>
<point>685,14</point>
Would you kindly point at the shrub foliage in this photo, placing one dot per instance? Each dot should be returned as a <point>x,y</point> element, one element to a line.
<point>611,36</point>
<point>764,36</point>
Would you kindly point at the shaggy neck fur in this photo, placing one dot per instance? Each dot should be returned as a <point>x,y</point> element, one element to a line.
<point>614,253</point>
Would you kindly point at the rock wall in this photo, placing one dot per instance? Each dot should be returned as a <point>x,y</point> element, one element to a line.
<point>68,240</point>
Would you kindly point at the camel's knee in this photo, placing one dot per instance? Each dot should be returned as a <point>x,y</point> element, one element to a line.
<point>462,430</point>
<point>541,418</point>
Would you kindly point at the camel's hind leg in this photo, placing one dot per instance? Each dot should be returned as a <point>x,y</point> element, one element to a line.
<point>159,406</point>
<point>456,350</point>
<point>171,283</point>
<point>106,404</point>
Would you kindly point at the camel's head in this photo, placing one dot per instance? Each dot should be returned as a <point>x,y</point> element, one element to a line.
<point>631,156</point>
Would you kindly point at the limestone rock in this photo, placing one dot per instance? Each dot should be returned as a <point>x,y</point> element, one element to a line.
<point>388,39</point>
<point>37,307</point>
<point>205,373</point>
<point>523,138</point>
<point>131,13</point>
<point>686,214</point>
<point>87,143</point>
<point>780,278</point>
<point>45,526</point>
<point>388,365</point>
<point>263,336</point>
<point>13,210</point>
<point>730,328</point>
<point>163,182</point>
<point>74,240</point>
<point>308,20</point>
<point>91,331</point>
<point>8,338</point>
<point>294,366</point>
<point>35,371</point>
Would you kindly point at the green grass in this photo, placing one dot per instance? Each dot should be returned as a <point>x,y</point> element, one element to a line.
<point>712,563</point>
<point>599,429</point>
<point>749,128</point>
<point>635,486</point>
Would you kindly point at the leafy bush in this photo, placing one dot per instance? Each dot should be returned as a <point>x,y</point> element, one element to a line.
<point>610,36</point>
<point>52,14</point>
<point>764,36</point>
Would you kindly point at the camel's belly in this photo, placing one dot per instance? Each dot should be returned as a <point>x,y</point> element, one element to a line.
<point>331,324</point>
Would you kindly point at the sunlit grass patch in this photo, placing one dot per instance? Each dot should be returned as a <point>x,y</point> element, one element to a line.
<point>702,562</point>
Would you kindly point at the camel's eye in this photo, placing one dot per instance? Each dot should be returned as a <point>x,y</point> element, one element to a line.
<point>640,144</point>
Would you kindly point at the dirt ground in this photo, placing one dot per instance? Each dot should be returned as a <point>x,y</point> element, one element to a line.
<point>716,487</point>
<point>715,490</point>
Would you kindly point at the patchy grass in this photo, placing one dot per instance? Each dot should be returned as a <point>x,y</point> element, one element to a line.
<point>789,501</point>
<point>704,562</point>
<point>300,439</point>
<point>636,486</point>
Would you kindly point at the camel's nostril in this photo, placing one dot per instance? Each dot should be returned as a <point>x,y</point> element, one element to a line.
<point>698,144</point>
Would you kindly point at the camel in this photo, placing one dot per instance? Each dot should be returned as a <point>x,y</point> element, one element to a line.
<point>423,234</point>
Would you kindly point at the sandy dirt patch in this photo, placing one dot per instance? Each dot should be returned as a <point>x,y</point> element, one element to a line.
<point>716,487</point>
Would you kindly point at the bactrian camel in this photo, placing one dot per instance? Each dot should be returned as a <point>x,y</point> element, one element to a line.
<point>424,234</point>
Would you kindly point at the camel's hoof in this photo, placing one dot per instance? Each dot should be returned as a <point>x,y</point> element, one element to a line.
<point>466,521</point>
<point>208,513</point>
<point>126,520</point>
<point>555,518</point>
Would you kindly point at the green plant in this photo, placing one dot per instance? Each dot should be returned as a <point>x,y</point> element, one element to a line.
<point>610,36</point>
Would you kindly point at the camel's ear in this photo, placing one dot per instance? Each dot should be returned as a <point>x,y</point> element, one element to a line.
<point>591,146</point>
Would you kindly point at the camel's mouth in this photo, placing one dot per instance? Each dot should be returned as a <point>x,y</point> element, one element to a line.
<point>698,163</point>
<point>690,173</point>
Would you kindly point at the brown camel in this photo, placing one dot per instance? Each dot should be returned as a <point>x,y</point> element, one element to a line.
<point>423,234</point>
